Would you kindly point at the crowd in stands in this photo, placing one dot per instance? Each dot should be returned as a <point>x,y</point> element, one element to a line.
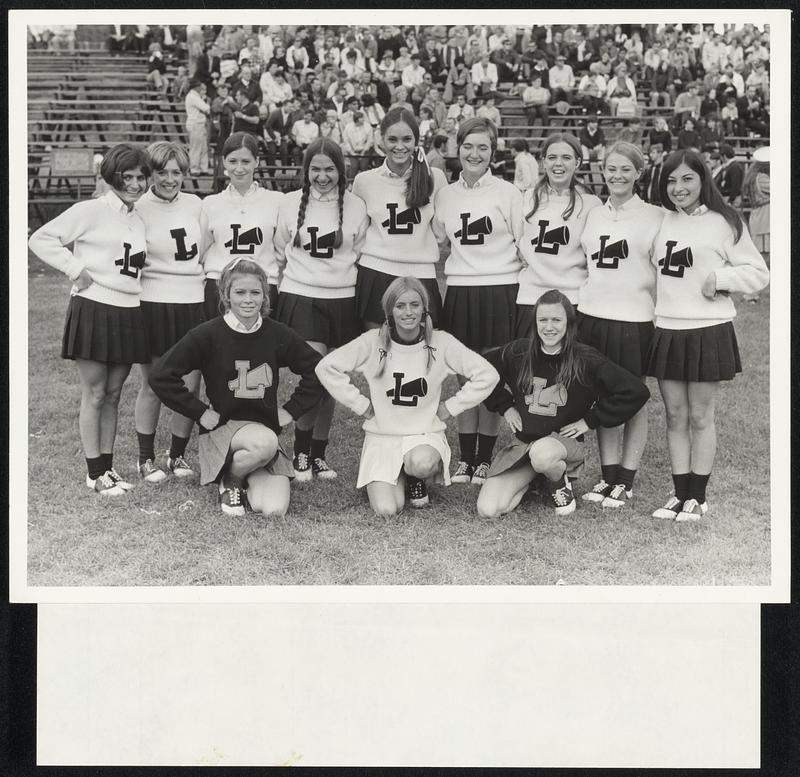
<point>670,86</point>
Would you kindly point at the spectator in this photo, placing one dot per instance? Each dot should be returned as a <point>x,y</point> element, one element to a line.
<point>626,106</point>
<point>400,99</point>
<point>687,105</point>
<point>436,156</point>
<point>228,67</point>
<point>386,67</point>
<point>756,191</point>
<point>330,128</point>
<point>660,134</point>
<point>181,84</point>
<point>729,116</point>
<point>484,76</point>
<point>373,111</point>
<point>526,168</point>
<point>208,62</point>
<point>460,110</point>
<point>352,106</point>
<point>729,176</point>
<point>222,108</point>
<point>251,55</point>
<point>297,56</point>
<point>709,107</point>
<point>156,68</point>
<point>402,61</point>
<point>714,52</point>
<point>591,90</point>
<point>752,115</point>
<point>450,132</point>
<point>431,59</point>
<point>535,99</point>
<point>711,133</point>
<point>759,78</point>
<point>357,143</point>
<point>427,126</point>
<point>541,68</point>
<point>561,80</point>
<point>434,101</point>
<point>246,116</point>
<point>632,132</point>
<point>197,113</point>
<point>593,141</point>
<point>413,74</point>
<point>459,82</point>
<point>651,177</point>
<point>619,83</point>
<point>473,53</point>
<point>490,111</point>
<point>730,82</point>
<point>688,137</point>
<point>246,83</point>
<point>303,132</point>
<point>508,62</point>
<point>277,131</point>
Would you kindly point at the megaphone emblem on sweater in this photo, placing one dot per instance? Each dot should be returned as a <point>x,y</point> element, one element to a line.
<point>407,394</point>
<point>609,254</point>
<point>544,399</point>
<point>674,263</point>
<point>549,241</point>
<point>244,242</point>
<point>472,233</point>
<point>250,384</point>
<point>401,223</point>
<point>320,247</point>
<point>130,264</point>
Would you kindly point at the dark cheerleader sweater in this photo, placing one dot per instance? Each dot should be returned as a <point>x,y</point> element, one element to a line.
<point>610,397</point>
<point>240,371</point>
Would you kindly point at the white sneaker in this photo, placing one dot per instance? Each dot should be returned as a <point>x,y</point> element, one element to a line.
<point>302,468</point>
<point>105,485</point>
<point>179,467</point>
<point>598,493</point>
<point>150,473</point>
<point>692,510</point>
<point>670,510</point>
<point>617,497</point>
<point>563,498</point>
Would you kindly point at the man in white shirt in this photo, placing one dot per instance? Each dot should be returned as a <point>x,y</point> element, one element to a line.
<point>562,80</point>
<point>304,131</point>
<point>197,111</point>
<point>484,76</point>
<point>413,74</point>
<point>460,111</point>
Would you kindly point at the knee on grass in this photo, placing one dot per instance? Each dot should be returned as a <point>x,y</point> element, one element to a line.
<point>489,506</point>
<point>422,462</point>
<point>386,506</point>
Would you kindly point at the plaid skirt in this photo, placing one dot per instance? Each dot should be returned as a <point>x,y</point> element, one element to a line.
<point>103,333</point>
<point>371,285</point>
<point>332,322</point>
<point>481,316</point>
<point>709,353</point>
<point>167,322</point>
<point>626,343</point>
<point>215,453</point>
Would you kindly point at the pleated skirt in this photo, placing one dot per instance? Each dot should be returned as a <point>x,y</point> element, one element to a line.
<point>371,286</point>
<point>626,343</point>
<point>481,316</point>
<point>167,322</point>
<point>332,322</point>
<point>382,456</point>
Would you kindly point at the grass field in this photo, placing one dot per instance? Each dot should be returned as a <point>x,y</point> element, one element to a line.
<point>174,534</point>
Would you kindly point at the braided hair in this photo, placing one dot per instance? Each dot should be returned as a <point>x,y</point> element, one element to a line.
<point>329,148</point>
<point>419,187</point>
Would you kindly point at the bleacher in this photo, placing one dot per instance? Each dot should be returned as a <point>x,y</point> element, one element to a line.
<point>92,99</point>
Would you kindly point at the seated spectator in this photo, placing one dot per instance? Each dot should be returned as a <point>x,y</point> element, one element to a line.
<point>180,84</point>
<point>352,106</point>
<point>541,68</point>
<point>342,82</point>
<point>626,106</point>
<point>526,168</point>
<point>431,59</point>
<point>752,115</point>
<point>592,140</point>
<point>729,176</point>
<point>659,86</point>
<point>484,75</point>
<point>632,132</point>
<point>427,126</point>
<point>303,132</point>
<point>535,99</point>
<point>156,68</point>
<point>473,52</point>
<point>730,81</point>
<point>412,75</point>
<point>687,105</point>
<point>246,83</point>
<point>278,131</point>
<point>400,99</point>
<point>489,110</point>
<point>562,80</point>
<point>436,156</point>
<point>386,67</point>
<point>459,82</point>
<point>402,60</point>
<point>279,92</point>
<point>357,143</point>
<point>678,79</point>
<point>711,133</point>
<point>660,134</point>
<point>759,78</point>
<point>434,102</point>
<point>297,56</point>
<point>222,108</point>
<point>373,111</point>
<point>508,61</point>
<point>251,55</point>
<point>620,83</point>
<point>729,116</point>
<point>460,110</point>
<point>649,183</point>
<point>330,128</point>
<point>591,91</point>
<point>228,67</point>
<point>688,137</point>
<point>351,66</point>
<point>279,58</point>
<point>450,133</point>
<point>246,116</point>
<point>708,104</point>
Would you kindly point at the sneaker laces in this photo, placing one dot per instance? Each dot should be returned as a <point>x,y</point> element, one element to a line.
<point>618,492</point>
<point>180,463</point>
<point>689,506</point>
<point>481,471</point>
<point>302,460</point>
<point>416,488</point>
<point>234,495</point>
<point>106,480</point>
<point>462,468</point>
<point>562,496</point>
<point>600,487</point>
<point>321,464</point>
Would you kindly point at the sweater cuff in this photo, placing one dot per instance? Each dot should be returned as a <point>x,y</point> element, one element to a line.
<point>362,405</point>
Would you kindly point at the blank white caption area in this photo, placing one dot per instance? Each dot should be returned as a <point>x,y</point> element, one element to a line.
<point>399,685</point>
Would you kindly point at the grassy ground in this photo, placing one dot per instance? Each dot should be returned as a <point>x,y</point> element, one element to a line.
<point>174,534</point>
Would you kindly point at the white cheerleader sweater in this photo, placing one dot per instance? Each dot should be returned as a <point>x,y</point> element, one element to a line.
<point>690,247</point>
<point>108,241</point>
<point>484,225</point>
<point>174,247</point>
<point>618,244</point>
<point>316,268</point>
<point>400,241</point>
<point>551,247</point>
<point>406,395</point>
<point>240,225</point>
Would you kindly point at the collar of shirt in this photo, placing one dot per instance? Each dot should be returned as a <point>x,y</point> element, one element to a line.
<point>631,204</point>
<point>331,196</point>
<point>114,201</point>
<point>230,319</point>
<point>387,171</point>
<point>698,211</point>
<point>232,192</point>
<point>485,180</point>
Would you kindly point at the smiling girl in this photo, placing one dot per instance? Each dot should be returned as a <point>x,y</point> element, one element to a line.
<point>104,333</point>
<point>552,390</point>
<point>405,363</point>
<point>703,252</point>
<point>239,356</point>
<point>239,221</point>
<point>615,307</point>
<point>320,232</point>
<point>399,197</point>
<point>481,217</point>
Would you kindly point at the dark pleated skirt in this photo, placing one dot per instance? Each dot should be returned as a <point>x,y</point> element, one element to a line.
<point>371,285</point>
<point>709,353</point>
<point>626,343</point>
<point>481,316</point>
<point>211,306</point>
<point>167,322</point>
<point>104,333</point>
<point>332,322</point>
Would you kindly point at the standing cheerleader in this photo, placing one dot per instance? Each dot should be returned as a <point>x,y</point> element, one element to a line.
<point>615,307</point>
<point>320,231</point>
<point>556,209</point>
<point>240,220</point>
<point>399,196</point>
<point>405,363</point>
<point>239,356</point>
<point>552,390</point>
<point>104,333</point>
<point>172,297</point>
<point>482,218</point>
<point>703,253</point>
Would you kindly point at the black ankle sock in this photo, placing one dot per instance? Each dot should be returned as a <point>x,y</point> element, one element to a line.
<point>302,440</point>
<point>485,447</point>
<point>467,442</point>
<point>697,486</point>
<point>108,461</point>
<point>95,466</point>
<point>178,446</point>
<point>318,448</point>
<point>609,473</point>
<point>147,446</point>
<point>625,477</point>
<point>681,483</point>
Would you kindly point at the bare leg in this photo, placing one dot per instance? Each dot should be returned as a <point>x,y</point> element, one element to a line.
<point>148,405</point>
<point>423,462</point>
<point>92,377</point>
<point>268,494</point>
<point>117,373</point>
<point>608,444</point>
<point>702,401</point>
<point>502,493</point>
<point>675,394</point>
<point>180,425</point>
<point>253,446</point>
<point>548,456</point>
<point>387,498</point>
<point>634,440</point>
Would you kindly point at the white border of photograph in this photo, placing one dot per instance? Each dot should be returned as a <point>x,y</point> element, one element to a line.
<point>776,591</point>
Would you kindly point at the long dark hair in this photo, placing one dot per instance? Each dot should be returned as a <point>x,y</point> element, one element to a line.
<point>709,194</point>
<point>575,186</point>
<point>420,183</point>
<point>572,364</point>
<point>331,149</point>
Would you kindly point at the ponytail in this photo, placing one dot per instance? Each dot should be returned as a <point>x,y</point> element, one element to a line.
<point>419,187</point>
